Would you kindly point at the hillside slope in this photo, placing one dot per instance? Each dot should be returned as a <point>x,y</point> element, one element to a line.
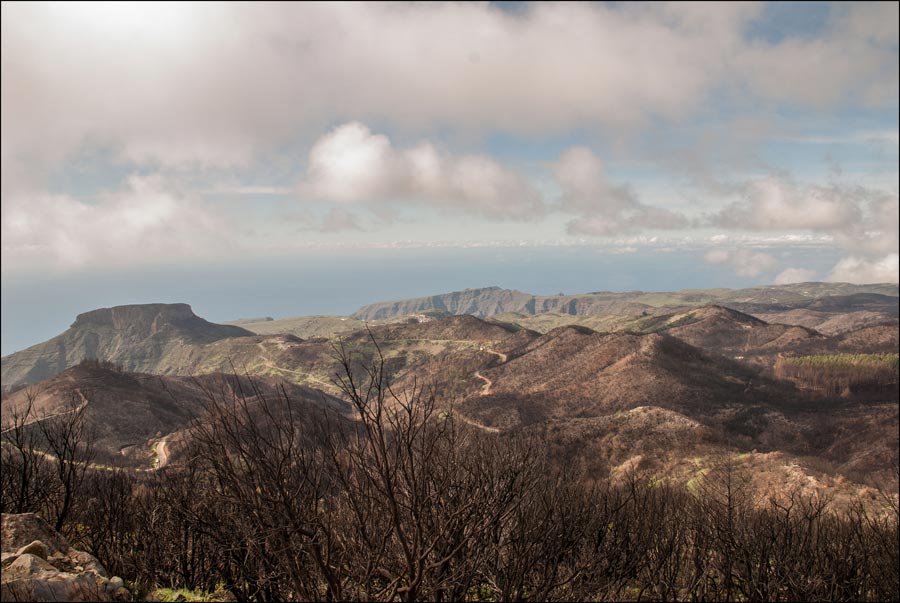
<point>132,412</point>
<point>575,372</point>
<point>138,337</point>
<point>726,331</point>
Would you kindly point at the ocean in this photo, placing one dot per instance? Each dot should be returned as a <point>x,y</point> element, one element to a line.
<point>37,307</point>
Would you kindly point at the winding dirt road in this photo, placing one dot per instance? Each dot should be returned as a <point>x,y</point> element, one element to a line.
<point>486,390</point>
<point>36,419</point>
<point>268,363</point>
<point>499,355</point>
<point>488,384</point>
<point>475,423</point>
<point>162,457</point>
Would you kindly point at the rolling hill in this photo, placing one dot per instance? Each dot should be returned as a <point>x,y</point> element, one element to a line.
<point>132,413</point>
<point>665,387</point>
<point>575,372</point>
<point>151,341</point>
<point>726,331</point>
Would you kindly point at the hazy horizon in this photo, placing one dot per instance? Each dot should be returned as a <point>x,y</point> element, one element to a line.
<point>339,282</point>
<point>178,151</point>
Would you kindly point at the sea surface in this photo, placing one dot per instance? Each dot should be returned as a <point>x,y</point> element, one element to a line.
<point>37,307</point>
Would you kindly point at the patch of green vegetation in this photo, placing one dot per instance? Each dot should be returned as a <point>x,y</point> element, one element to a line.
<point>481,592</point>
<point>306,326</point>
<point>891,361</point>
<point>181,594</point>
<point>693,484</point>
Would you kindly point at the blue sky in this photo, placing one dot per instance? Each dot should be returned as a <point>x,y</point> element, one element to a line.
<point>140,137</point>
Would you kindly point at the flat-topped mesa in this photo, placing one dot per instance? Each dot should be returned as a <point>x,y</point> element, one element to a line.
<point>147,320</point>
<point>122,317</point>
<point>141,337</point>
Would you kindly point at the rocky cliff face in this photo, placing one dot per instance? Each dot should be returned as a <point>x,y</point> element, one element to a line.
<point>39,565</point>
<point>136,336</point>
<point>152,316</point>
<point>478,302</point>
<point>494,300</point>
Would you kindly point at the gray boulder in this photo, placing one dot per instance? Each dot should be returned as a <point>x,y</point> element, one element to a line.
<point>36,548</point>
<point>45,568</point>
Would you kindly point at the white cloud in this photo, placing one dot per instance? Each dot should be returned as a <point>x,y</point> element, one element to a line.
<point>744,262</point>
<point>716,256</point>
<point>187,88</point>
<point>777,204</point>
<point>143,224</point>
<point>860,270</point>
<point>859,220</point>
<point>181,83</point>
<point>351,164</point>
<point>795,275</point>
<point>605,208</point>
<point>851,59</point>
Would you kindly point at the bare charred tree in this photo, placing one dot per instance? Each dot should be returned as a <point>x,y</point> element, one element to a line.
<point>421,494</point>
<point>26,480</point>
<point>281,499</point>
<point>107,519</point>
<point>45,458</point>
<point>267,481</point>
<point>723,503</point>
<point>69,443</point>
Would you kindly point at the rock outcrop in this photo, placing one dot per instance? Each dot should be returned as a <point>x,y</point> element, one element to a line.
<point>39,565</point>
<point>143,337</point>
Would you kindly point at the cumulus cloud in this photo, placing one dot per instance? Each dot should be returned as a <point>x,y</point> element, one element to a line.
<point>606,209</point>
<point>860,220</point>
<point>144,223</point>
<point>744,262</point>
<point>879,232</point>
<point>794,275</point>
<point>861,270</point>
<point>778,204</point>
<point>351,165</point>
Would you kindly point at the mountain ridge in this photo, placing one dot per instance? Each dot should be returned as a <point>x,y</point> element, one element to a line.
<point>486,301</point>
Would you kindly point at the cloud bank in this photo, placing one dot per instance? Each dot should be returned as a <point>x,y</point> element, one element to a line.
<point>861,220</point>
<point>196,92</point>
<point>352,165</point>
<point>146,222</point>
<point>744,262</point>
<point>183,83</point>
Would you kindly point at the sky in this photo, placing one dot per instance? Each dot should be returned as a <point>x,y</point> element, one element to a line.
<point>177,152</point>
